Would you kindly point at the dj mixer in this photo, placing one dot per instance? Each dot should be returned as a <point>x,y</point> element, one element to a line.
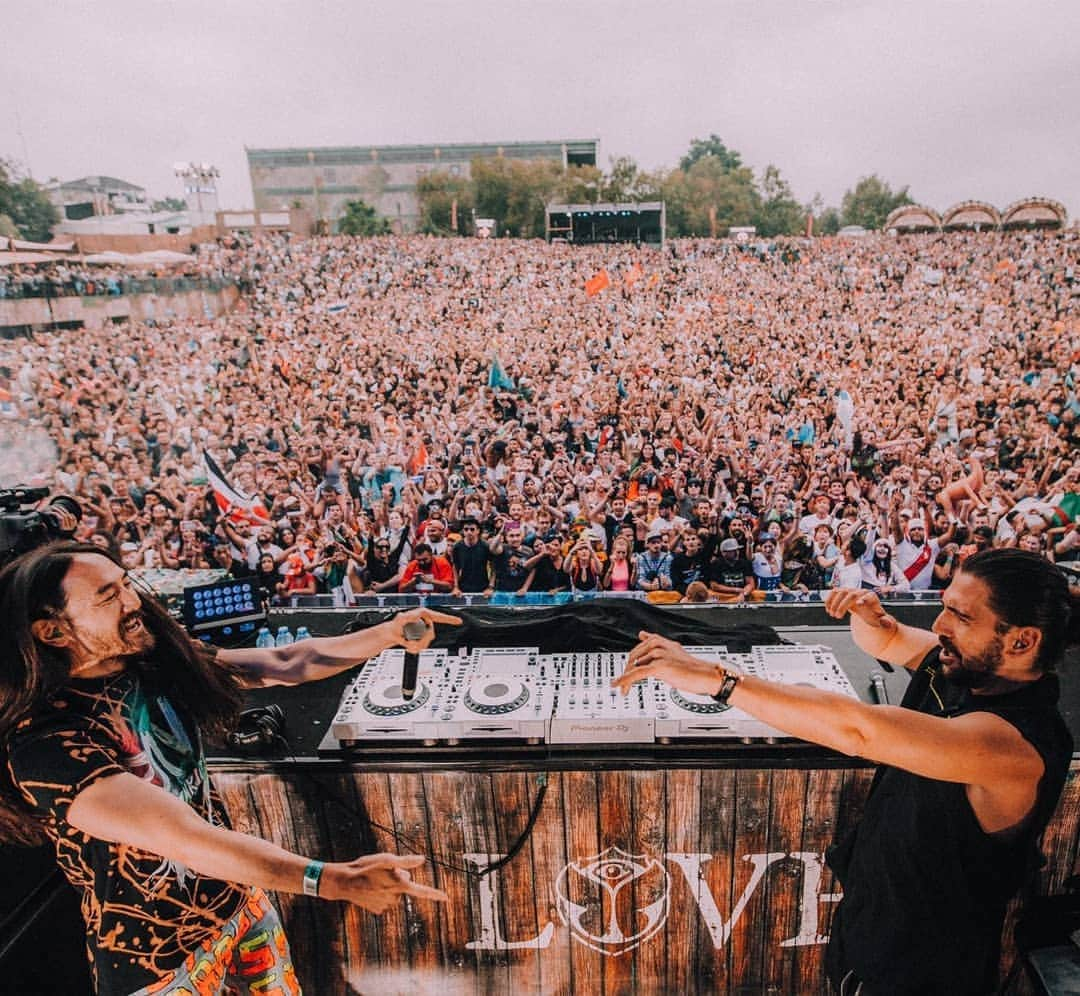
<point>519,694</point>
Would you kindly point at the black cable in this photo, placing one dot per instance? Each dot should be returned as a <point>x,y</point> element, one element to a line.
<point>415,846</point>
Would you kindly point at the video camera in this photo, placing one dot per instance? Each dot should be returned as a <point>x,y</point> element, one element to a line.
<point>22,527</point>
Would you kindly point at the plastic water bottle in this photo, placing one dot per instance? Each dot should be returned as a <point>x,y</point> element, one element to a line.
<point>283,638</point>
<point>302,634</point>
<point>265,638</point>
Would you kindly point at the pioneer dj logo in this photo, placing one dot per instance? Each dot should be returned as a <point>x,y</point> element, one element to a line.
<point>612,884</point>
<point>614,901</point>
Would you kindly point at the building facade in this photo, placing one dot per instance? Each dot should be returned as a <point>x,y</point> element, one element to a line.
<point>322,180</point>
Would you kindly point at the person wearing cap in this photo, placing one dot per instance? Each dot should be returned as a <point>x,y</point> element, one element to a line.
<point>654,565</point>
<point>916,549</point>
<point>731,576</point>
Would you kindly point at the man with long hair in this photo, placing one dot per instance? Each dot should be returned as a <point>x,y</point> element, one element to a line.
<point>972,764</point>
<point>104,706</point>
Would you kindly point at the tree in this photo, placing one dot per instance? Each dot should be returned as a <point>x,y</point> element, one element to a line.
<point>169,204</point>
<point>701,148</point>
<point>779,213</point>
<point>25,203</point>
<point>437,193</point>
<point>709,198</point>
<point>360,219</point>
<point>870,203</point>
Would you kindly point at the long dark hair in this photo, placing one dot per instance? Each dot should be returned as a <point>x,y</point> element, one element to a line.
<point>31,672</point>
<point>1027,590</point>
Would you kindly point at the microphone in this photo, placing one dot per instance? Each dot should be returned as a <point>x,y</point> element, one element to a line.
<point>413,631</point>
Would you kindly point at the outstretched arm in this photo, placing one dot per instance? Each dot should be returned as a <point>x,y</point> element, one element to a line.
<point>127,810</point>
<point>322,657</point>
<point>980,750</point>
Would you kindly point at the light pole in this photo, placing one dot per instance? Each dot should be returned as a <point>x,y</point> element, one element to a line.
<point>199,179</point>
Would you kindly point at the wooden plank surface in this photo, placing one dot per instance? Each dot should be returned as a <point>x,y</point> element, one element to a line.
<point>581,821</point>
<point>721,821</point>
<point>823,793</point>
<point>748,957</point>
<point>549,857</point>
<point>714,843</point>
<point>649,805</point>
<point>783,884</point>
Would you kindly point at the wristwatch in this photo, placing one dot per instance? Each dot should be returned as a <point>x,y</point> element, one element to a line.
<point>729,680</point>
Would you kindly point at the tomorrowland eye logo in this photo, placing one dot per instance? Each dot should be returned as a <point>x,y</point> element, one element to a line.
<point>605,915</point>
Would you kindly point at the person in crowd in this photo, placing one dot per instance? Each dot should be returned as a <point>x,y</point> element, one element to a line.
<point>427,573</point>
<point>654,565</point>
<point>104,704</point>
<point>472,559</point>
<point>583,567</point>
<point>880,571</point>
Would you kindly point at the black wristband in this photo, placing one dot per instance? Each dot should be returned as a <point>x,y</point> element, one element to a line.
<point>731,679</point>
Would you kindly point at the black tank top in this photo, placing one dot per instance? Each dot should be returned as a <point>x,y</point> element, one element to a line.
<point>925,889</point>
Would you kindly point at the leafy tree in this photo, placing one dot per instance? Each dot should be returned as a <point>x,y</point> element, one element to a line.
<point>25,203</point>
<point>581,185</point>
<point>437,193</point>
<point>779,212</point>
<point>828,222</point>
<point>516,193</point>
<point>713,146</point>
<point>361,219</point>
<point>710,197</point>
<point>169,204</point>
<point>870,202</point>
<point>620,182</point>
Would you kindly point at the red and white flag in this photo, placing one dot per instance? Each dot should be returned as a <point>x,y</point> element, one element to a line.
<point>234,504</point>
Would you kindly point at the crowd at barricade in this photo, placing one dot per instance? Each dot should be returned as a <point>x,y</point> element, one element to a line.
<point>705,421</point>
<point>75,278</point>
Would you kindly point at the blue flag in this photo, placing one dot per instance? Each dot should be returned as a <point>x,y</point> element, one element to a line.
<point>498,378</point>
<point>620,387</point>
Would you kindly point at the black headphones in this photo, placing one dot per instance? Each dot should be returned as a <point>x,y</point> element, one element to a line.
<point>258,728</point>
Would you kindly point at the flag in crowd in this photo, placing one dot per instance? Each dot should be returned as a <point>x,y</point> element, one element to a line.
<point>498,377</point>
<point>231,502</point>
<point>596,284</point>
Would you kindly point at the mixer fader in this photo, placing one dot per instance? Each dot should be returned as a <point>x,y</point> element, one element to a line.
<point>589,710</point>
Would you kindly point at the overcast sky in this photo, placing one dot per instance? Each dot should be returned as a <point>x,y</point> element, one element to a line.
<point>955,99</point>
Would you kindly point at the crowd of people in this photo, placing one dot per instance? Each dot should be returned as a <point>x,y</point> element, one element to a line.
<point>709,421</point>
<point>75,277</point>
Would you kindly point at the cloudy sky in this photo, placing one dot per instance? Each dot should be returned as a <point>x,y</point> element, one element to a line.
<point>955,99</point>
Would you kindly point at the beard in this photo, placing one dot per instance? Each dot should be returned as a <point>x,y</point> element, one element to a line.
<point>974,670</point>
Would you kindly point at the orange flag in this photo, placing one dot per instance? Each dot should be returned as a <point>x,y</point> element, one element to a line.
<point>634,275</point>
<point>653,280</point>
<point>419,459</point>
<point>597,283</point>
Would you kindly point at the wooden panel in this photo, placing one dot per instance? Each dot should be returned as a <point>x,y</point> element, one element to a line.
<point>450,838</point>
<point>581,819</point>
<point>548,846</point>
<point>517,883</point>
<point>648,803</point>
<point>739,853</point>
<point>784,880</point>
<point>751,840</point>
<point>823,792</point>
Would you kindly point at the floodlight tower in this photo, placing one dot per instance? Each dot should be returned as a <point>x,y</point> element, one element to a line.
<point>199,179</point>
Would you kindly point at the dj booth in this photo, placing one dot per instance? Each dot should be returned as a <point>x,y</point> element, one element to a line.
<point>588,843</point>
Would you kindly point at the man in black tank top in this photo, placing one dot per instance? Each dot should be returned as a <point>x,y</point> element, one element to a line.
<point>972,764</point>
